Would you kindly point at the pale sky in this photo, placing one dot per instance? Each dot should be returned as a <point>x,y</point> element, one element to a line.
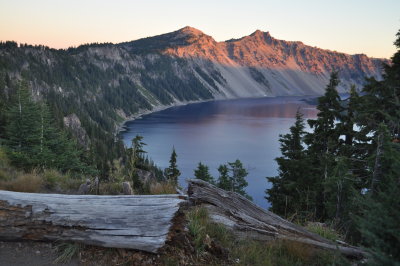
<point>350,26</point>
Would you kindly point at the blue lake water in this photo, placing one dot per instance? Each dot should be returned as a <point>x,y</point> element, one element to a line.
<point>221,131</point>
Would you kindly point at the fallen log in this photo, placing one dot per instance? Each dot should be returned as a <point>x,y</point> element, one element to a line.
<point>143,222</point>
<point>246,219</point>
<point>134,222</point>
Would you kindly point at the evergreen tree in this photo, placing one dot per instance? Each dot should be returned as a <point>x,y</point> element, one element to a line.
<point>138,152</point>
<point>380,215</point>
<point>233,178</point>
<point>23,129</point>
<point>3,105</point>
<point>340,189</point>
<point>223,180</point>
<point>202,172</point>
<point>346,121</point>
<point>34,141</point>
<point>238,177</point>
<point>70,157</point>
<point>378,221</point>
<point>292,191</point>
<point>135,161</point>
<point>56,149</point>
<point>323,142</point>
<point>172,172</point>
<point>343,184</point>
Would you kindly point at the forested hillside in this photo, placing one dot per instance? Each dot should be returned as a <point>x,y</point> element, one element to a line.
<point>92,89</point>
<point>94,94</point>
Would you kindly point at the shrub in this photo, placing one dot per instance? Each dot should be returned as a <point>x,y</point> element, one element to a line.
<point>30,182</point>
<point>162,188</point>
<point>4,175</point>
<point>323,230</point>
<point>110,188</point>
<point>68,183</point>
<point>51,178</point>
<point>4,162</point>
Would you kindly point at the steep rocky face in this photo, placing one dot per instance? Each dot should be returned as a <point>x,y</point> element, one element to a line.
<point>259,64</point>
<point>73,123</point>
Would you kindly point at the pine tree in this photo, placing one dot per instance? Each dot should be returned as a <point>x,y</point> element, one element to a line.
<point>346,121</point>
<point>324,142</point>
<point>238,177</point>
<point>380,215</point>
<point>70,157</point>
<point>223,180</point>
<point>56,150</point>
<point>343,184</point>
<point>381,99</point>
<point>172,172</point>
<point>291,191</point>
<point>340,189</point>
<point>3,105</point>
<point>202,172</point>
<point>233,178</point>
<point>34,141</point>
<point>135,161</point>
<point>23,129</point>
<point>137,152</point>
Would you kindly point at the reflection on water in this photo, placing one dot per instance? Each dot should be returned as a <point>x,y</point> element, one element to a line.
<point>222,131</point>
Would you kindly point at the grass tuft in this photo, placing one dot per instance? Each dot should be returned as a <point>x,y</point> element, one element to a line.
<point>323,230</point>
<point>162,188</point>
<point>23,182</point>
<point>67,251</point>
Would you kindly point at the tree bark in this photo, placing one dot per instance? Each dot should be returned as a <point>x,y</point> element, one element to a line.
<point>376,175</point>
<point>143,222</point>
<point>134,222</point>
<point>248,220</point>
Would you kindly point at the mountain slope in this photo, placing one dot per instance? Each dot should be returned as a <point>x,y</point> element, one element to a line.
<point>105,84</point>
<point>267,66</point>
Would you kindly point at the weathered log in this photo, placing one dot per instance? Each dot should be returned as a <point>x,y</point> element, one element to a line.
<point>248,220</point>
<point>134,222</point>
<point>142,222</point>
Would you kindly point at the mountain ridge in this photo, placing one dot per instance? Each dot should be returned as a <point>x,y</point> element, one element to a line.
<point>106,84</point>
<point>189,30</point>
<point>290,67</point>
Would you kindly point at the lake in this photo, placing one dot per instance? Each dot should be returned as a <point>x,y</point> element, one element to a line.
<point>222,131</point>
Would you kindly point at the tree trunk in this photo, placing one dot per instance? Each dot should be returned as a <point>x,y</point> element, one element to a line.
<point>248,220</point>
<point>377,166</point>
<point>143,222</point>
<point>134,222</point>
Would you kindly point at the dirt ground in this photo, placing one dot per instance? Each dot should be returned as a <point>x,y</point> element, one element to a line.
<point>29,254</point>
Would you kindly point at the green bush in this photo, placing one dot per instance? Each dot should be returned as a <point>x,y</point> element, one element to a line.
<point>51,178</point>
<point>323,230</point>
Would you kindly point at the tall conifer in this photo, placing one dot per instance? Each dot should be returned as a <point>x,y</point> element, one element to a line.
<point>172,172</point>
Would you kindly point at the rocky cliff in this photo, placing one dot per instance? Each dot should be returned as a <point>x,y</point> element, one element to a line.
<point>259,64</point>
